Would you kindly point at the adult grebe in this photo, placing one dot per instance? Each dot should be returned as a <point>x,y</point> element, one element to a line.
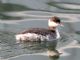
<point>41,34</point>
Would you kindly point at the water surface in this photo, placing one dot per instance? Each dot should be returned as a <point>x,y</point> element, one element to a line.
<point>68,45</point>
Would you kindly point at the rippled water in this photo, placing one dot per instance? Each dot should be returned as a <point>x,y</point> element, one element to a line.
<point>36,14</point>
<point>68,45</point>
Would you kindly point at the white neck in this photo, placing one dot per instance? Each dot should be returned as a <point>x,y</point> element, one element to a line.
<point>58,35</point>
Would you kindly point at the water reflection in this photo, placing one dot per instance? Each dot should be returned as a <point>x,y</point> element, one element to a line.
<point>67,48</point>
<point>39,47</point>
<point>9,48</point>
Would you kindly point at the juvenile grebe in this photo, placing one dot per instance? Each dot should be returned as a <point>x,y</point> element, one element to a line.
<point>41,34</point>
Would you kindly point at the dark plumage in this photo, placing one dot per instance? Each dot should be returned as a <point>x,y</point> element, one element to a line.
<point>55,19</point>
<point>40,31</point>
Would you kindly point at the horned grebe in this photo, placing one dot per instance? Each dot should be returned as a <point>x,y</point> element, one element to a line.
<point>41,34</point>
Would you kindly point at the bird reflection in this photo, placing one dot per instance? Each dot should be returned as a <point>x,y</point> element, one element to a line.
<point>49,47</point>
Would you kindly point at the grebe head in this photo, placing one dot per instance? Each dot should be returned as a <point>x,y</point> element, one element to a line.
<point>54,22</point>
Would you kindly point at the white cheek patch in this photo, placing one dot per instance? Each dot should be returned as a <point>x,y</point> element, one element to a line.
<point>52,24</point>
